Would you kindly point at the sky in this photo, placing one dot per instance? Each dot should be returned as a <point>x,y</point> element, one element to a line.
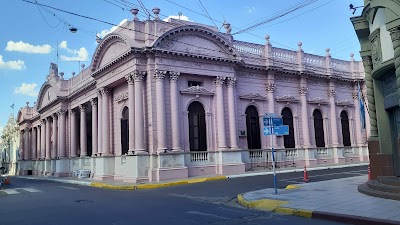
<point>31,35</point>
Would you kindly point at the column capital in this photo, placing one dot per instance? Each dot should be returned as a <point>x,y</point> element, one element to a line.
<point>231,81</point>
<point>367,60</point>
<point>54,115</point>
<point>219,81</point>
<point>105,90</point>
<point>61,112</point>
<point>270,87</point>
<point>395,33</point>
<point>82,108</point>
<point>138,75</point>
<point>331,93</point>
<point>129,78</point>
<point>72,112</point>
<point>303,90</point>
<point>93,101</point>
<point>160,74</point>
<point>174,76</point>
<point>355,95</point>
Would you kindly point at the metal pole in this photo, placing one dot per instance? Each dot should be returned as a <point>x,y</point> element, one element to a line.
<point>273,155</point>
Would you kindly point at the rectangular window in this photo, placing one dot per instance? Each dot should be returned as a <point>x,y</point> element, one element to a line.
<point>194,83</point>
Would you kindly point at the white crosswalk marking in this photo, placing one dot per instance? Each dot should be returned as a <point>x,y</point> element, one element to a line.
<point>19,190</point>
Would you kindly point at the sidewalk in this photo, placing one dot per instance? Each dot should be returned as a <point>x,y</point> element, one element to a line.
<point>336,200</point>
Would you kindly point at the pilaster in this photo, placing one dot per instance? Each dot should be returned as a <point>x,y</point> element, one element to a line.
<point>219,81</point>
<point>173,80</point>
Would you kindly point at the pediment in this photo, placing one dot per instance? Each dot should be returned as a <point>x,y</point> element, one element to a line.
<point>112,52</point>
<point>196,40</point>
<point>47,94</point>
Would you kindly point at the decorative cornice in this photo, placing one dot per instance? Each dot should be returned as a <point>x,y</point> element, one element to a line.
<point>318,100</point>
<point>253,96</point>
<point>395,33</point>
<point>197,90</point>
<point>121,97</point>
<point>286,98</point>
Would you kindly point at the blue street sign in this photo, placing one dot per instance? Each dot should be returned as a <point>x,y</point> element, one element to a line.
<point>276,130</point>
<point>275,121</point>
<point>267,131</point>
<point>281,130</point>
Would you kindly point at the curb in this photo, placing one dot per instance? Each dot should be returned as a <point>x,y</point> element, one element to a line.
<point>130,187</point>
<point>271,205</point>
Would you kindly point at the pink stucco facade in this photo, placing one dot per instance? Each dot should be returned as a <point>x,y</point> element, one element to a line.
<point>128,115</point>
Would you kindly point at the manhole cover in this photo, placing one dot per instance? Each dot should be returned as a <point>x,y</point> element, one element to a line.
<point>83,200</point>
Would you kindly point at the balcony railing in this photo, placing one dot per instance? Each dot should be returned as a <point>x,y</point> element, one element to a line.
<point>198,156</point>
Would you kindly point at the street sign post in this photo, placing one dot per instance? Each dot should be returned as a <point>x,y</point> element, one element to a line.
<point>273,125</point>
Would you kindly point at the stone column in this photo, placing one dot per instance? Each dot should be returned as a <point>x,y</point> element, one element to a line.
<point>54,148</point>
<point>62,131</point>
<point>367,62</point>
<point>105,92</point>
<point>34,143</point>
<point>93,101</point>
<point>83,133</point>
<point>304,113</point>
<point>139,112</point>
<point>100,123</point>
<point>43,139</point>
<point>357,117</point>
<point>39,145</point>
<point>26,144</point>
<point>161,123</point>
<point>231,81</point>
<point>395,35</point>
<point>271,102</point>
<point>21,144</point>
<point>333,116</point>
<point>131,107</point>
<point>173,79</point>
<point>74,132</point>
<point>48,138</point>
<point>219,81</point>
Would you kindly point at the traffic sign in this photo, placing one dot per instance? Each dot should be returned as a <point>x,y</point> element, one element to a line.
<point>281,130</point>
<point>276,130</point>
<point>275,121</point>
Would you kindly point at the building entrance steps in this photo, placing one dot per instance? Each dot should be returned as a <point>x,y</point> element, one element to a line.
<point>337,200</point>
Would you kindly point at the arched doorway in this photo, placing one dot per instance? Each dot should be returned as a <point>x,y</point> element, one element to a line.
<point>253,128</point>
<point>345,128</point>
<point>197,127</point>
<point>319,128</point>
<point>125,131</point>
<point>288,140</point>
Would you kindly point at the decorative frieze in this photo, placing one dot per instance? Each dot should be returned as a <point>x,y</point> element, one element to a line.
<point>286,98</point>
<point>253,96</point>
<point>197,90</point>
<point>121,97</point>
<point>318,100</point>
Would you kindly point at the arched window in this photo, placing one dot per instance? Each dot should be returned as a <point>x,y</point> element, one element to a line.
<point>253,128</point>
<point>345,128</point>
<point>197,127</point>
<point>288,140</point>
<point>319,128</point>
<point>125,131</point>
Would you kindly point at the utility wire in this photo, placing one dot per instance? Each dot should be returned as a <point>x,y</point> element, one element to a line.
<point>45,18</point>
<point>208,15</point>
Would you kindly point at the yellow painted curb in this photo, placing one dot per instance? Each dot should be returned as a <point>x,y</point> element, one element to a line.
<point>155,185</point>
<point>272,205</point>
<point>292,186</point>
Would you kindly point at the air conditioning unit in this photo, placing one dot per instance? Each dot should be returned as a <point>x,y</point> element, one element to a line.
<point>242,133</point>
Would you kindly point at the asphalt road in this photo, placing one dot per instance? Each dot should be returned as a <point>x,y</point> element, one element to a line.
<point>31,202</point>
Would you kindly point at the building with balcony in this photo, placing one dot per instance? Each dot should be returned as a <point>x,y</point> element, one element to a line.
<point>168,100</point>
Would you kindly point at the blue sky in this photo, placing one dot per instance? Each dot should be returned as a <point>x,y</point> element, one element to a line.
<point>30,34</point>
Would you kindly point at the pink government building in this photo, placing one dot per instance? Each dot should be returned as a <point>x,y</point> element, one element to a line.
<point>169,100</point>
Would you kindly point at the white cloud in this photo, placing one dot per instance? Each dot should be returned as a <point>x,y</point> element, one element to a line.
<point>250,9</point>
<point>78,55</point>
<point>185,18</point>
<point>103,33</point>
<point>27,48</point>
<point>26,89</point>
<point>12,65</point>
